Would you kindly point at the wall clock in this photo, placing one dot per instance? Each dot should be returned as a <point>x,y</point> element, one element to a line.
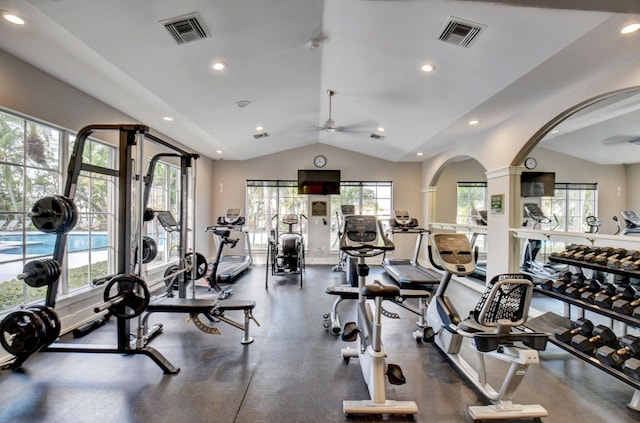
<point>320,160</point>
<point>530,163</point>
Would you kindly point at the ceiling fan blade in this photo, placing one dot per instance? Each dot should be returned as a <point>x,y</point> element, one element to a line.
<point>622,139</point>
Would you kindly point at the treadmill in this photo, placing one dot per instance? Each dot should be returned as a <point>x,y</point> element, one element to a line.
<point>231,266</point>
<point>408,272</point>
<point>479,217</point>
<point>632,223</point>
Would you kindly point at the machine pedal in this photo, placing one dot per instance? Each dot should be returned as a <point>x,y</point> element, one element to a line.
<point>395,375</point>
<point>350,332</point>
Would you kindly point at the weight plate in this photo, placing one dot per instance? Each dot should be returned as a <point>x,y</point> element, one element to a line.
<point>21,332</point>
<point>51,323</point>
<point>201,266</point>
<point>149,249</point>
<point>54,214</point>
<point>129,294</point>
<point>173,281</point>
<point>39,273</point>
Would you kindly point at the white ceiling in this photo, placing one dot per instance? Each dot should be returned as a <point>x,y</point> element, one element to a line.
<point>370,53</point>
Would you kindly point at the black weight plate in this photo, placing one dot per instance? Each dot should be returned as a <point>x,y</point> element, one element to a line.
<point>21,332</point>
<point>174,280</point>
<point>201,266</point>
<point>51,322</point>
<point>132,293</point>
<point>39,273</point>
<point>149,249</point>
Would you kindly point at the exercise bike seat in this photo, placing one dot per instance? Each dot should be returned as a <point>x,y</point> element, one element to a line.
<point>379,290</point>
<point>504,304</point>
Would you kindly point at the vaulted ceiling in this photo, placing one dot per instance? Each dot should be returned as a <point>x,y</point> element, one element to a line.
<point>282,57</point>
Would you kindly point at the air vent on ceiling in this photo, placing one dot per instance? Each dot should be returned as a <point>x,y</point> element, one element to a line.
<point>185,28</point>
<point>376,136</point>
<point>261,135</point>
<point>460,32</point>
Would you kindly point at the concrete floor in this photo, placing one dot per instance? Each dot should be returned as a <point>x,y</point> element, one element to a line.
<point>293,372</point>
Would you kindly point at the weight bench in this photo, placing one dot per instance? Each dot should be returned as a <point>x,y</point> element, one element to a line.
<point>212,310</point>
<point>347,292</point>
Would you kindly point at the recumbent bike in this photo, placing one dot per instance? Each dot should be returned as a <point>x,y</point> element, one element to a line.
<point>490,328</point>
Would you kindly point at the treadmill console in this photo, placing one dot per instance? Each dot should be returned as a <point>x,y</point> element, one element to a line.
<point>290,219</point>
<point>232,218</point>
<point>453,252</point>
<point>631,219</point>
<point>479,217</point>
<point>362,235</point>
<point>401,219</point>
<point>347,209</point>
<point>167,221</point>
<point>534,212</point>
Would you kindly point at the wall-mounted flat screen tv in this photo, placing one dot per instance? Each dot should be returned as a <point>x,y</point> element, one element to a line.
<point>318,182</point>
<point>537,184</point>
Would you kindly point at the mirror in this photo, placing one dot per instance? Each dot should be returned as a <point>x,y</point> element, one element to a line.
<point>597,142</point>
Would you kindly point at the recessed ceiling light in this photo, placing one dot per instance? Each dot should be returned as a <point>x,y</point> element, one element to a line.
<point>474,122</point>
<point>242,104</point>
<point>218,66</point>
<point>219,151</point>
<point>428,67</point>
<point>630,28</point>
<point>420,153</point>
<point>13,18</point>
<point>555,131</point>
<point>168,118</point>
<point>259,128</point>
<point>380,129</point>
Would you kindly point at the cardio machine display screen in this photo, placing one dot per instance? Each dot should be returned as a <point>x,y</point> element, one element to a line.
<point>361,230</point>
<point>454,249</point>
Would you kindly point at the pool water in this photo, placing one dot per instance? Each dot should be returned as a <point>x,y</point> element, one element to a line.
<point>39,243</point>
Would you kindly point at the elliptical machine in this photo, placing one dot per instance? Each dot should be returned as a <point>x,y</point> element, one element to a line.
<point>503,306</point>
<point>362,237</point>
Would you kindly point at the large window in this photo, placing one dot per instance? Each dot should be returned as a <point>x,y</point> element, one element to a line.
<point>33,159</point>
<point>165,195</point>
<point>570,206</point>
<point>471,196</point>
<point>266,199</point>
<point>373,198</point>
<point>267,202</point>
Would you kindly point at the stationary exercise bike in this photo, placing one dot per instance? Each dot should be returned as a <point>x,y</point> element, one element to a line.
<point>285,253</point>
<point>503,306</point>
<point>362,237</point>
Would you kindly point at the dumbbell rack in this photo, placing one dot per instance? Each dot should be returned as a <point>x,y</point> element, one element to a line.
<point>629,320</point>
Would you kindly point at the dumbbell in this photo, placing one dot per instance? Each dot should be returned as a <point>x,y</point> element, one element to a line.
<point>602,335</point>
<point>631,265</point>
<point>590,297</point>
<point>626,292</point>
<point>581,326</point>
<point>575,292</point>
<point>631,368</point>
<point>566,279</point>
<point>631,256</point>
<point>569,250</point>
<point>616,254</point>
<point>625,306</point>
<point>547,284</point>
<point>598,252</point>
<point>582,252</point>
<point>629,347</point>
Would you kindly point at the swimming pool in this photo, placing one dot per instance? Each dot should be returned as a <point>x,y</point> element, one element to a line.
<point>40,243</point>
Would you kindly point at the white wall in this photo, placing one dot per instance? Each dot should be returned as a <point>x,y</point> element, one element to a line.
<point>228,183</point>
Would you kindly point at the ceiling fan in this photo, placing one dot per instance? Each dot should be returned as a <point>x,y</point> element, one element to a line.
<point>330,125</point>
<point>622,139</point>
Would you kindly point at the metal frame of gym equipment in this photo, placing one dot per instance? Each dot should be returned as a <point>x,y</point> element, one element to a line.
<point>285,252</point>
<point>230,266</point>
<point>133,294</point>
<point>408,273</point>
<point>363,237</point>
<point>503,306</point>
<point>530,265</point>
<point>189,264</point>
